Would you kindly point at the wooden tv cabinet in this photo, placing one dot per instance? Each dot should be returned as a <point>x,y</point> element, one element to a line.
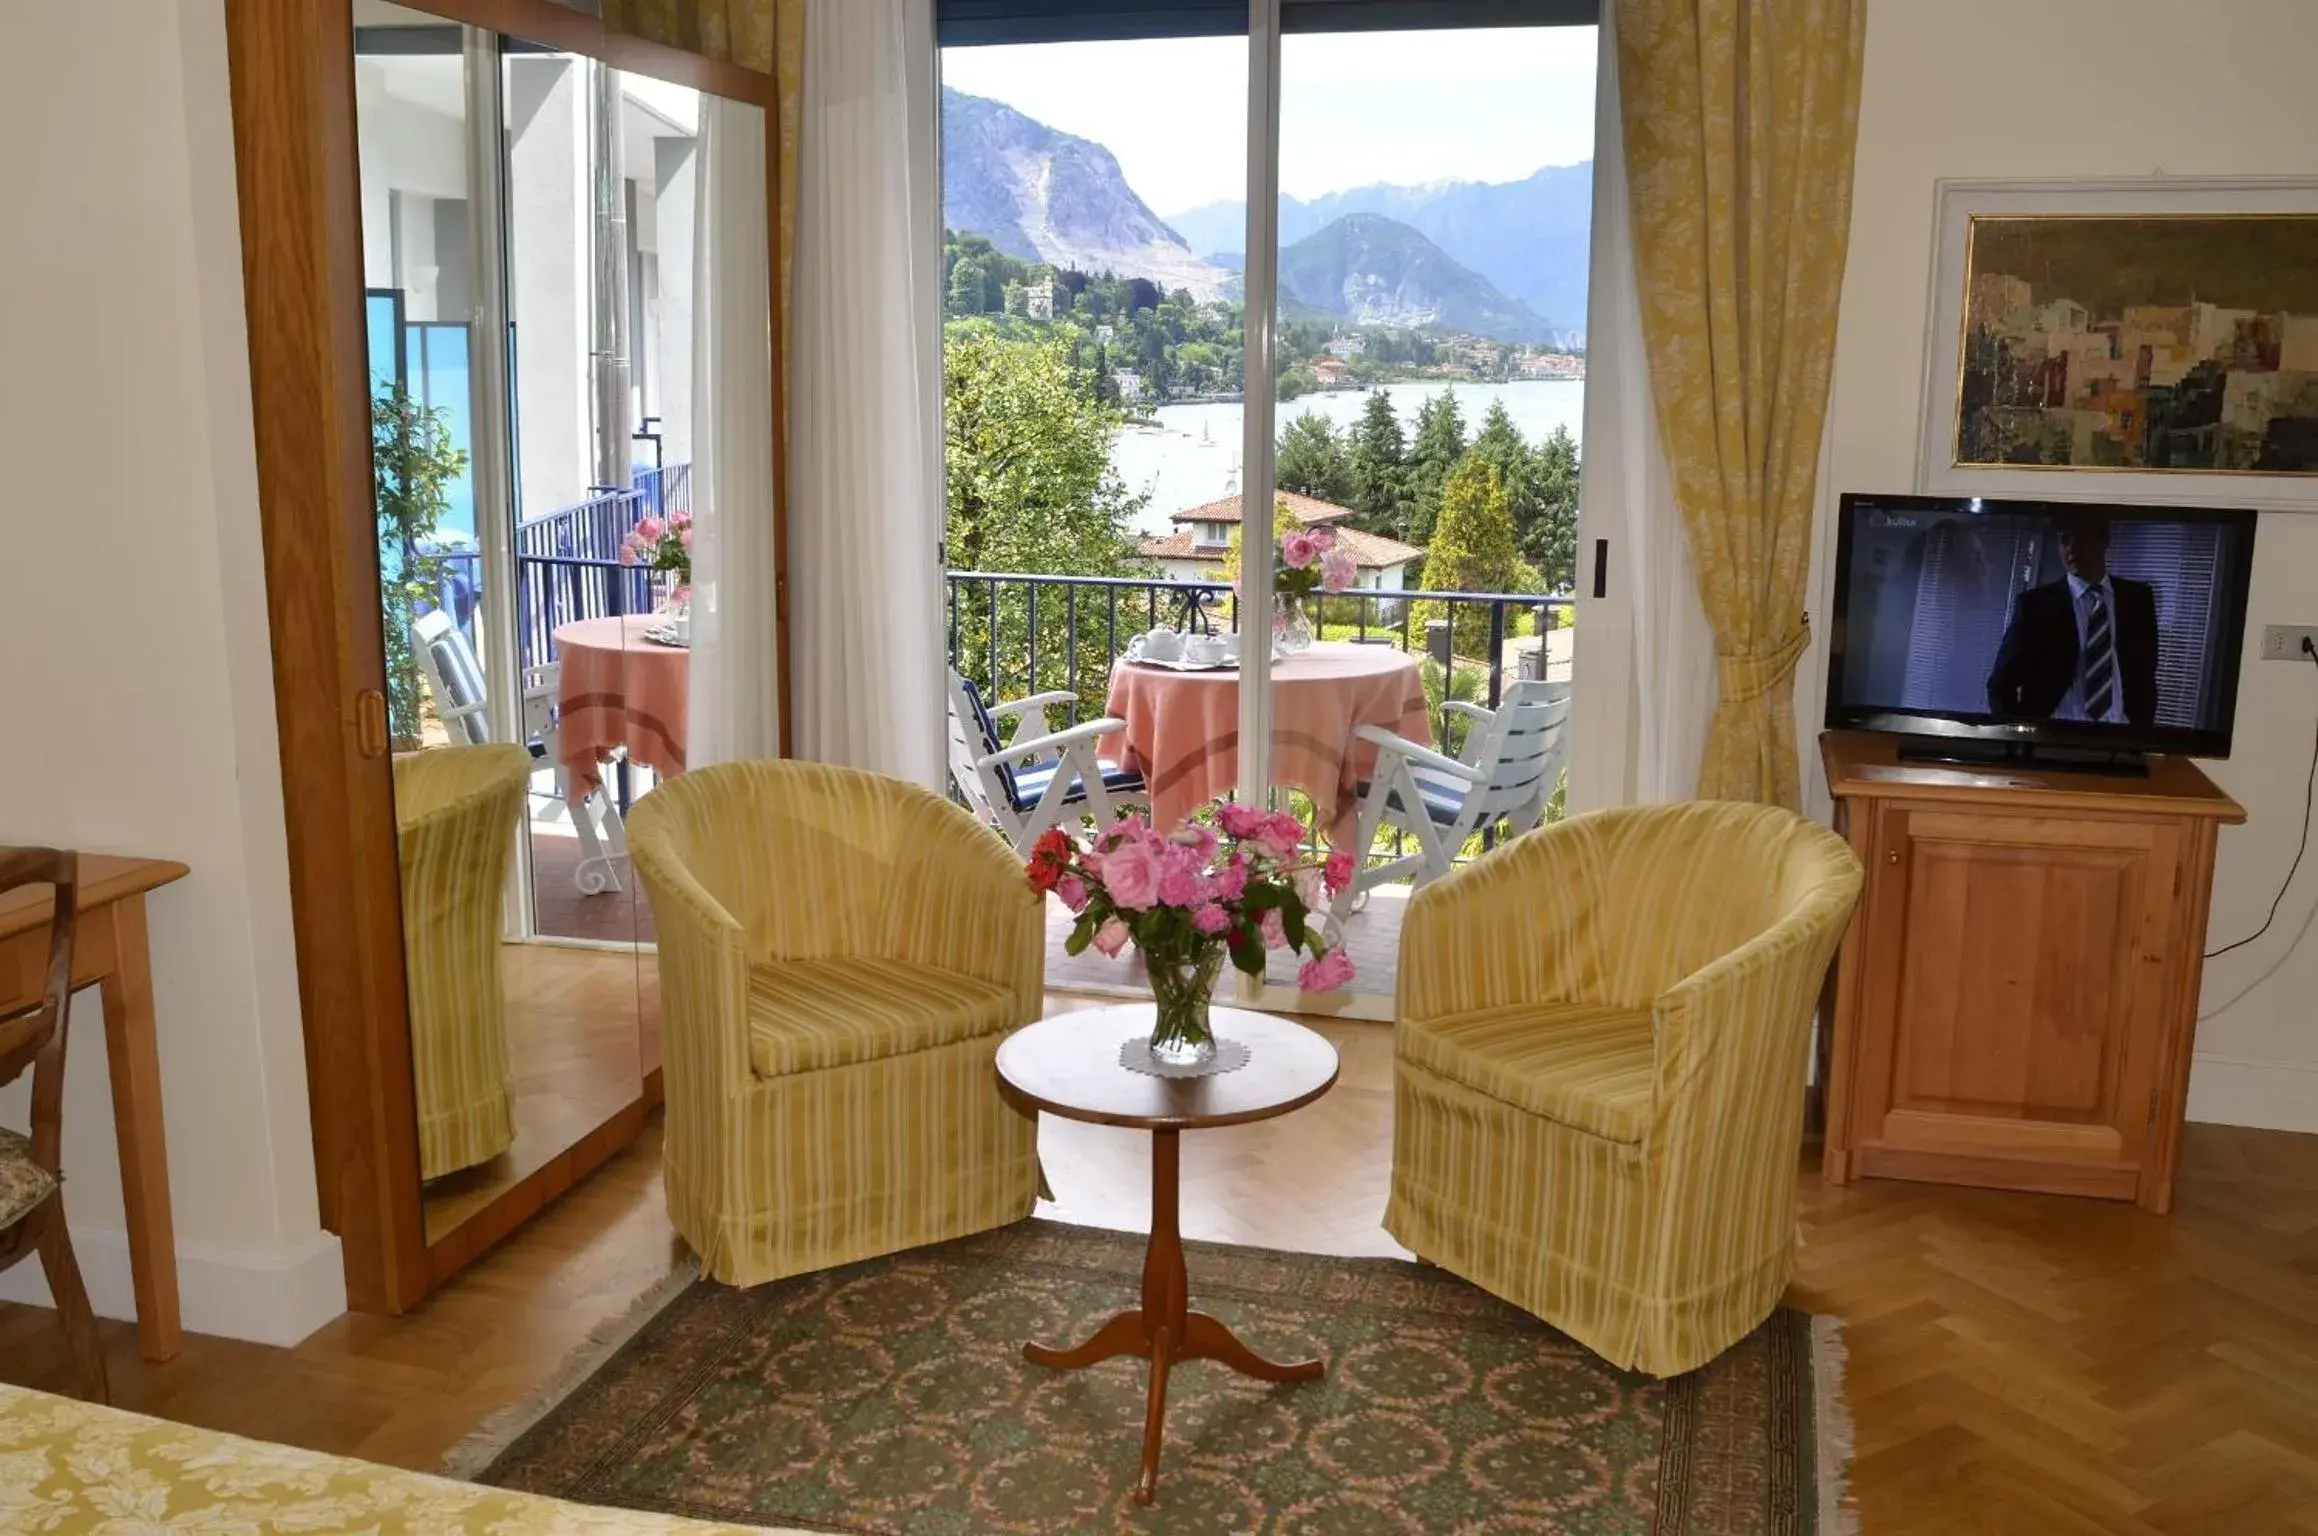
<point>2017,994</point>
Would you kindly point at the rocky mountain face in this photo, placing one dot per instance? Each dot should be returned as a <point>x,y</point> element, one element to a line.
<point>1366,269</point>
<point>1531,238</point>
<point>1044,195</point>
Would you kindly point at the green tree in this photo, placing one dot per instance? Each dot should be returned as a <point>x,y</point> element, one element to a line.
<point>413,464</point>
<point>1313,461</point>
<point>1439,444</point>
<point>1473,549</point>
<point>1027,451</point>
<point>1549,540</point>
<point>1378,462</point>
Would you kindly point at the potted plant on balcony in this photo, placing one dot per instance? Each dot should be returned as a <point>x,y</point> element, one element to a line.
<point>1307,560</point>
<point>1230,882</point>
<point>414,464</point>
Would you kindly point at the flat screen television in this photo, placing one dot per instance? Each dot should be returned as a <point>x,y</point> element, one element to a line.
<point>2075,633</point>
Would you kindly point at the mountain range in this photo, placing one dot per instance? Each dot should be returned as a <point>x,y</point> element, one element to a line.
<point>1366,269</point>
<point>1531,238</point>
<point>1040,194</point>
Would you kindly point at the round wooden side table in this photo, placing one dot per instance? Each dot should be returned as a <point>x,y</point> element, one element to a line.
<point>1069,1066</point>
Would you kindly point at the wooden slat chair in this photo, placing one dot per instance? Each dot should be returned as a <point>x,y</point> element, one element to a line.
<point>1033,783</point>
<point>31,1176</point>
<point>1506,774</point>
<point>462,702</point>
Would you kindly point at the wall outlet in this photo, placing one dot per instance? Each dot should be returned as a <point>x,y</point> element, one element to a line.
<point>2283,642</point>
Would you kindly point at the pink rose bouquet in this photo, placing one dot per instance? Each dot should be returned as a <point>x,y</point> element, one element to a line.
<point>655,545</point>
<point>1313,560</point>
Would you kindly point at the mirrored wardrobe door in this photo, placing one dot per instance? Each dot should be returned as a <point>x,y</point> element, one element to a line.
<point>478,245</point>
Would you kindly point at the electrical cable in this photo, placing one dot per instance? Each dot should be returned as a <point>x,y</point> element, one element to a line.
<point>2309,789</point>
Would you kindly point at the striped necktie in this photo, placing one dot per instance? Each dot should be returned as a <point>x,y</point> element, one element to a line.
<point>2097,668</point>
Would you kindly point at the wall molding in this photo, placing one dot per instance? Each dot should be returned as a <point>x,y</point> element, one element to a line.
<point>264,1298</point>
<point>2266,1095</point>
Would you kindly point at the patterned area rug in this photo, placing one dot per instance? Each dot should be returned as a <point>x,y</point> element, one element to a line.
<point>891,1399</point>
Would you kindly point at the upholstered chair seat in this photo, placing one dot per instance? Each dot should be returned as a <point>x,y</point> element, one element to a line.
<point>1603,1034</point>
<point>840,955</point>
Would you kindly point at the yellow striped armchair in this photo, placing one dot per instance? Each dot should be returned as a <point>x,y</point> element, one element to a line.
<point>1603,1030</point>
<point>840,954</point>
<point>456,812</point>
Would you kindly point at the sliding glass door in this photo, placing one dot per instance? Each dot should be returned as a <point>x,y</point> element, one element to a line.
<point>1363,443</point>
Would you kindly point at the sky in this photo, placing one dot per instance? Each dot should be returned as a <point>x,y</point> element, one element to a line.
<point>1355,107</point>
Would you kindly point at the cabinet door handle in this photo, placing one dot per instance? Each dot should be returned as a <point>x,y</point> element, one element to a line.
<point>1891,856</point>
<point>370,723</point>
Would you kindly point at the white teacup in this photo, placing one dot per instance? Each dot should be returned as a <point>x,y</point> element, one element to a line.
<point>1206,650</point>
<point>1163,645</point>
<point>1227,646</point>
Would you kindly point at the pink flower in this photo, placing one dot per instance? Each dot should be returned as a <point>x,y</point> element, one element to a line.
<point>1179,877</point>
<point>1231,881</point>
<point>1326,974</point>
<point>1112,937</point>
<point>1240,821</point>
<point>1339,871</point>
<point>1298,551</point>
<point>627,553</point>
<point>1130,872</point>
<point>1307,884</point>
<point>650,529</point>
<point>1211,919</point>
<point>1199,838</point>
<point>684,537</point>
<point>1128,826</point>
<point>1324,538</point>
<point>1279,834</point>
<point>680,518</point>
<point>1073,892</point>
<point>1338,571</point>
<point>1275,931</point>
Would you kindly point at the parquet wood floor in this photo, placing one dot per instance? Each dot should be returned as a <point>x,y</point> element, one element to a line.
<point>2019,1363</point>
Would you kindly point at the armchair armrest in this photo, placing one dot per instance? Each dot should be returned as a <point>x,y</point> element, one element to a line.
<point>1035,701</point>
<point>1480,712</point>
<point>1386,741</point>
<point>704,972</point>
<point>1053,741</point>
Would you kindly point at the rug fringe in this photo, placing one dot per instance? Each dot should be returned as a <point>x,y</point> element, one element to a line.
<point>1831,1429</point>
<point>468,1459</point>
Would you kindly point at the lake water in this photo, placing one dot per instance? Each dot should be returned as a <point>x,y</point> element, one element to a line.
<point>1192,456</point>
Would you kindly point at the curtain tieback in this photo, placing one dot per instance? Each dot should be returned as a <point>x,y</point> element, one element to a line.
<point>1747,675</point>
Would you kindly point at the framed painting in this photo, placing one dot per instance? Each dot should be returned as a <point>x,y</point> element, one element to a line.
<point>2149,340</point>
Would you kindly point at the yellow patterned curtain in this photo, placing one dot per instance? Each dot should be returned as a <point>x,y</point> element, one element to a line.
<point>1740,117</point>
<point>767,36</point>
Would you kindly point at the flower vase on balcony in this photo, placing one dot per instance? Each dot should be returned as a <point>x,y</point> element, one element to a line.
<point>1231,882</point>
<point>1307,561</point>
<point>664,548</point>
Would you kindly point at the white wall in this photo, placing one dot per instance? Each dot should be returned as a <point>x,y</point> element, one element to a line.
<point>136,693</point>
<point>2075,88</point>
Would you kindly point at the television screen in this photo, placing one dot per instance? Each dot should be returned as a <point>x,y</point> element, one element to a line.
<point>2077,624</point>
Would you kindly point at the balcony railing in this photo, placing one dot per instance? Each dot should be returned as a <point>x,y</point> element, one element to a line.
<point>567,562</point>
<point>1016,634</point>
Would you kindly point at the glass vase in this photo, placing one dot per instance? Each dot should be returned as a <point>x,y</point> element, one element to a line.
<point>1292,626</point>
<point>1182,987</point>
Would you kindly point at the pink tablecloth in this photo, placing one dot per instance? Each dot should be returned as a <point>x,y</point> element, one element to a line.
<point>1183,727</point>
<point>618,689</point>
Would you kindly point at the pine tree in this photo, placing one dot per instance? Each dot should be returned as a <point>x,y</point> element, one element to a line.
<point>1440,443</point>
<point>1473,549</point>
<point>1378,467</point>
<point>1312,460</point>
<point>1549,541</point>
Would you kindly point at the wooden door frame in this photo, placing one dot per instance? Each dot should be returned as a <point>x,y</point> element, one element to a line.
<point>292,65</point>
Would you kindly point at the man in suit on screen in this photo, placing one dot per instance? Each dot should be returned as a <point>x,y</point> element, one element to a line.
<point>2083,647</point>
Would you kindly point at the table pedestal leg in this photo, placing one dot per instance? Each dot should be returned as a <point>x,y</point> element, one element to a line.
<point>1164,1330</point>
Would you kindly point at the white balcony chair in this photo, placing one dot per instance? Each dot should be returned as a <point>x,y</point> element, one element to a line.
<point>1033,783</point>
<point>462,702</point>
<point>1506,772</point>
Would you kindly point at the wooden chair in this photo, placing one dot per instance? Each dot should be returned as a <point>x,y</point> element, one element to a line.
<point>462,702</point>
<point>31,1180</point>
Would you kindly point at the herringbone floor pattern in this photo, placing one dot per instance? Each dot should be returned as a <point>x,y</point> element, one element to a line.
<point>2019,1363</point>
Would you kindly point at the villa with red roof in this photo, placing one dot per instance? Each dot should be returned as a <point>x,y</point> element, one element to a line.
<point>1195,550</point>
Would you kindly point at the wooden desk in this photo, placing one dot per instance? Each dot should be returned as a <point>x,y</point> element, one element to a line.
<point>2017,996</point>
<point>109,951</point>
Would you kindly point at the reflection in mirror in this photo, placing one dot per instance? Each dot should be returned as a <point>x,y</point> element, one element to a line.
<point>503,476</point>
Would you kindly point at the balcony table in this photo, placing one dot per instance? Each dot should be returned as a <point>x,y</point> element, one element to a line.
<point>617,689</point>
<point>1182,730</point>
<point>109,952</point>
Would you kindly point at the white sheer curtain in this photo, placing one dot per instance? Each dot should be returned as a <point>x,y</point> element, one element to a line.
<point>1625,468</point>
<point>735,704</point>
<point>864,417</point>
